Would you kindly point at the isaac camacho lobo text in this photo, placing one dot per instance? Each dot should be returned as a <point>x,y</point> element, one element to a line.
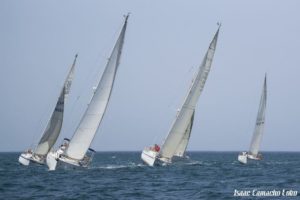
<point>265,193</point>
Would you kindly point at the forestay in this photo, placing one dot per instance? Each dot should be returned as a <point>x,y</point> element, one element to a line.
<point>92,117</point>
<point>260,122</point>
<point>184,118</point>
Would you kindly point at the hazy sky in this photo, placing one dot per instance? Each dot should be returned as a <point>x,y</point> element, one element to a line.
<point>164,45</point>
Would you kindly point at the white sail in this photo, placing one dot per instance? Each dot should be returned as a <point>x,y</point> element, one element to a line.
<point>54,125</point>
<point>260,122</point>
<point>183,119</point>
<point>185,139</point>
<point>92,117</point>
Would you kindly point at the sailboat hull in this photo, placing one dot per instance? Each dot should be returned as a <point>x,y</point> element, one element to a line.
<point>51,160</point>
<point>252,157</point>
<point>54,162</point>
<point>75,163</point>
<point>149,157</point>
<point>24,158</point>
<point>242,158</point>
<point>38,159</point>
<point>56,159</point>
<point>152,158</point>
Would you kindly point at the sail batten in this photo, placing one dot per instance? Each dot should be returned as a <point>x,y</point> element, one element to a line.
<point>93,115</point>
<point>54,125</point>
<point>260,122</point>
<point>174,143</point>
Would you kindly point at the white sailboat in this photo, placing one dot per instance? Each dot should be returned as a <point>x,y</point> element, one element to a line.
<point>76,151</point>
<point>179,134</point>
<point>258,131</point>
<point>52,131</point>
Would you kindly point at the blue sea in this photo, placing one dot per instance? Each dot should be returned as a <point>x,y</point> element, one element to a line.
<point>122,175</point>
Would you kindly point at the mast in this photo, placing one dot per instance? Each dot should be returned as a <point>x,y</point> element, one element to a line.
<point>185,116</point>
<point>93,115</point>
<point>260,122</point>
<point>54,125</point>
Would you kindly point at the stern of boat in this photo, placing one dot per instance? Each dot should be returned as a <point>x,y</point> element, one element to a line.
<point>253,157</point>
<point>84,162</point>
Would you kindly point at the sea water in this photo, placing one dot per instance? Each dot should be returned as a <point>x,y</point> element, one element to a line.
<point>123,175</point>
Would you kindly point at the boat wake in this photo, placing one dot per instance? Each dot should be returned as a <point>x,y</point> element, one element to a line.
<point>118,166</point>
<point>187,161</point>
<point>194,162</point>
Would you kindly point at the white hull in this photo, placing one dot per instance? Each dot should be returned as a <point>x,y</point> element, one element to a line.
<point>37,159</point>
<point>252,157</point>
<point>149,156</point>
<point>75,163</point>
<point>24,158</point>
<point>54,158</point>
<point>51,160</point>
<point>243,157</point>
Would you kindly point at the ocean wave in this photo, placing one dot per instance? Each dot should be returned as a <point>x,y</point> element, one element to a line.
<point>280,162</point>
<point>116,166</point>
<point>195,162</point>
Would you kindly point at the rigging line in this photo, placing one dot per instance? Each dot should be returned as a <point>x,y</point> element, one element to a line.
<point>154,139</point>
<point>104,56</point>
<point>38,128</point>
<point>43,122</point>
<point>104,53</point>
<point>188,80</point>
<point>83,91</point>
<point>107,44</point>
<point>172,105</point>
<point>93,77</point>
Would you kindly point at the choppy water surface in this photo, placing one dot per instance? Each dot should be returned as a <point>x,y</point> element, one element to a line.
<point>122,175</point>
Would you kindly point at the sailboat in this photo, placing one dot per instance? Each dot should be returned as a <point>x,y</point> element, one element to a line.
<point>258,130</point>
<point>77,152</point>
<point>52,131</point>
<point>180,132</point>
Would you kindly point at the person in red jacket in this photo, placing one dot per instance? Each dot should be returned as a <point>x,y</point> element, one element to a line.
<point>156,148</point>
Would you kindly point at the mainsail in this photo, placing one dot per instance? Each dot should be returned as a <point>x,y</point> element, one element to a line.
<point>179,134</point>
<point>54,125</point>
<point>260,122</point>
<point>92,117</point>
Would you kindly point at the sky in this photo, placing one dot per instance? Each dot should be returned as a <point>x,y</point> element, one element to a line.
<point>164,46</point>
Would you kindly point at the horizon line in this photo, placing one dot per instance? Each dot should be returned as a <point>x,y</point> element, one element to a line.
<point>217,151</point>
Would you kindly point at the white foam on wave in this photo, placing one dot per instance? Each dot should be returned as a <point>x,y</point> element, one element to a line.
<point>194,162</point>
<point>113,167</point>
<point>279,162</point>
<point>129,165</point>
